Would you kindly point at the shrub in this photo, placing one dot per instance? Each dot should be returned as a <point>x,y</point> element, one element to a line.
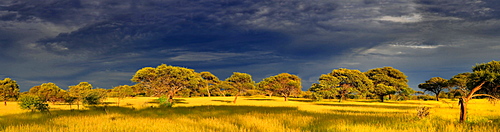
<point>423,112</point>
<point>163,101</point>
<point>32,102</point>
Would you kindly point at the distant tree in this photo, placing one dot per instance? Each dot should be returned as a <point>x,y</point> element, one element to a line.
<point>382,90</point>
<point>211,81</point>
<point>284,84</point>
<point>8,90</point>
<point>435,85</point>
<point>320,92</point>
<point>459,82</point>
<point>140,90</point>
<point>121,92</point>
<point>168,80</point>
<point>94,96</point>
<point>78,91</point>
<point>223,88</point>
<point>390,77</point>
<point>240,82</point>
<point>47,92</point>
<point>406,93</point>
<point>484,81</point>
<point>344,81</point>
<point>66,97</point>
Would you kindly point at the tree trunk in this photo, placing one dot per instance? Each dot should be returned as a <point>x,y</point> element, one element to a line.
<point>236,97</point>
<point>437,96</point>
<point>208,91</point>
<point>341,96</point>
<point>5,103</point>
<point>463,110</point>
<point>286,98</point>
<point>382,98</point>
<point>170,99</point>
<point>463,101</point>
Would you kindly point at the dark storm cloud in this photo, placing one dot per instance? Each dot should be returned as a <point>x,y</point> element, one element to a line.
<point>106,41</point>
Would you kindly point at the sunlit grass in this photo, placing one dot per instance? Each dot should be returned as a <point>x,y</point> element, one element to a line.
<point>254,114</point>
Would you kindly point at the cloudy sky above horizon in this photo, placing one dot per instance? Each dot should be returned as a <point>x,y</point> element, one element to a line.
<point>104,42</point>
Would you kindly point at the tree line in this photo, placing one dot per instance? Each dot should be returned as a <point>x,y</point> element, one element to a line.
<point>483,81</point>
<point>173,81</point>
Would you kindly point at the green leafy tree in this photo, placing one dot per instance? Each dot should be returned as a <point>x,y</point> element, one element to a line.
<point>382,90</point>
<point>140,90</point>
<point>66,97</point>
<point>320,92</point>
<point>435,85</point>
<point>284,84</point>
<point>47,92</point>
<point>240,82</point>
<point>32,102</point>
<point>345,81</point>
<point>459,82</point>
<point>8,90</point>
<point>393,80</point>
<point>121,92</point>
<point>211,81</point>
<point>484,81</point>
<point>94,96</point>
<point>168,80</point>
<point>78,91</point>
<point>223,88</point>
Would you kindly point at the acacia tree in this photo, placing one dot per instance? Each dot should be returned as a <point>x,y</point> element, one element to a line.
<point>240,82</point>
<point>393,80</point>
<point>382,90</point>
<point>78,91</point>
<point>484,80</point>
<point>435,85</point>
<point>344,81</point>
<point>8,90</point>
<point>320,92</point>
<point>47,92</point>
<point>284,84</point>
<point>168,80</point>
<point>94,96</point>
<point>459,82</point>
<point>121,92</point>
<point>211,81</point>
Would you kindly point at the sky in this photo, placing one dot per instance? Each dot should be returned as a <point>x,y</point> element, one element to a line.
<point>104,42</point>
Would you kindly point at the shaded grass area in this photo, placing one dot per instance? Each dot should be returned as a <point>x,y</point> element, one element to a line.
<point>361,106</point>
<point>349,116</point>
<point>252,118</point>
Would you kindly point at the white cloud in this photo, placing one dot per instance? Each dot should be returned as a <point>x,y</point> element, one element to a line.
<point>412,18</point>
<point>418,46</point>
<point>203,56</point>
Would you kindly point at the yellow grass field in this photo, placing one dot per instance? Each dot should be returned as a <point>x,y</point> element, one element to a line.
<point>218,114</point>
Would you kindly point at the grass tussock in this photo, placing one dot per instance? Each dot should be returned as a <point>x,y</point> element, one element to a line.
<point>253,114</point>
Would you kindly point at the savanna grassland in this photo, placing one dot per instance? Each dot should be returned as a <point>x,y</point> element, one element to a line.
<point>253,114</point>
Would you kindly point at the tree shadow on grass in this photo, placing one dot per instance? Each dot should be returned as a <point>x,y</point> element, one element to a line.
<point>224,101</point>
<point>300,100</point>
<point>176,101</point>
<point>317,121</point>
<point>261,99</point>
<point>371,106</point>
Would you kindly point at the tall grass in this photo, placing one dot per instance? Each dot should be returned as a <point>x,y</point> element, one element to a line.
<point>256,114</point>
